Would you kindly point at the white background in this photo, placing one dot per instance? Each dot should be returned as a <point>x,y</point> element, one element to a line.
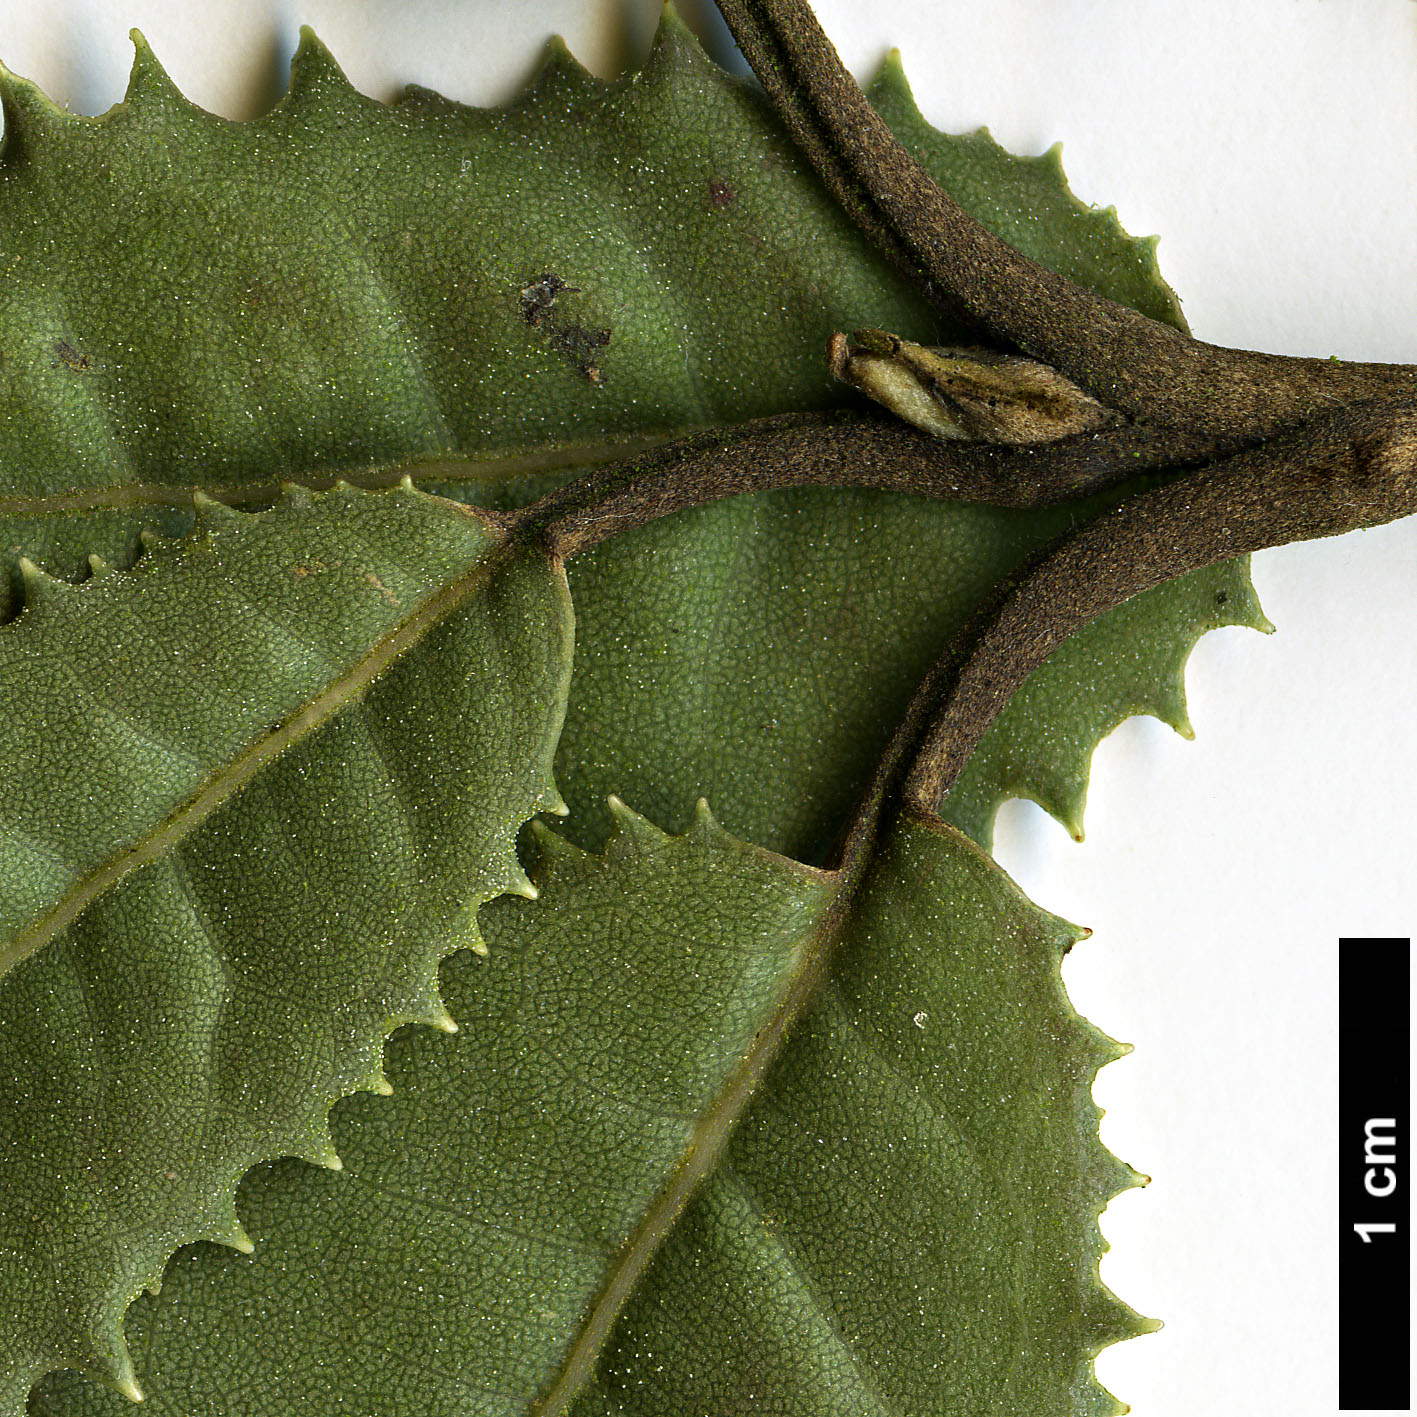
<point>1274,146</point>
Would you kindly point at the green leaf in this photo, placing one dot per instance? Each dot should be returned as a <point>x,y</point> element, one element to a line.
<point>194,302</point>
<point>761,651</point>
<point>358,309</point>
<point>939,1073</point>
<point>1026,201</point>
<point>906,1220</point>
<point>357,305</point>
<point>239,841</point>
<point>1130,661</point>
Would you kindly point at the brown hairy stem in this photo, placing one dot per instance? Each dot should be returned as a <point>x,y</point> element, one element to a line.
<point>846,449</point>
<point>1267,449</point>
<point>1310,447</point>
<point>1139,366</point>
<point>1356,468</point>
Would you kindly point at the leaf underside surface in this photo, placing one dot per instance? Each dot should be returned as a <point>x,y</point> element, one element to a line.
<point>484,301</point>
<point>209,1003</point>
<point>845,1254</point>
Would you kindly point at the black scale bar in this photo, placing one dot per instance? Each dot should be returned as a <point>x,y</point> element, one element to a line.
<point>1374,1157</point>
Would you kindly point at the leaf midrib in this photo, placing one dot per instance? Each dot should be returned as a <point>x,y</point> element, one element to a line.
<point>228,779</point>
<point>706,1144</point>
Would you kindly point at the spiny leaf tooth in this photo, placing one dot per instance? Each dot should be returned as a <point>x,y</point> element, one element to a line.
<point>40,587</point>
<point>104,1356</point>
<point>295,495</point>
<point>552,844</point>
<point>631,829</point>
<point>560,67</point>
<point>29,114</point>
<point>1098,1048</point>
<point>1107,1320</point>
<point>1109,1177</point>
<point>1109,1049</point>
<point>212,513</point>
<point>440,1018</point>
<point>1171,707</point>
<point>232,1234</point>
<point>129,1388</point>
<point>890,83</point>
<point>316,80</point>
<point>324,1154</point>
<point>1068,809</point>
<point>519,883</point>
<point>224,1227</point>
<point>241,1241</point>
<point>675,46</point>
<point>478,945</point>
<point>551,800</point>
<point>150,87</point>
<point>703,824</point>
<point>150,540</point>
<point>375,1081</point>
<point>98,567</point>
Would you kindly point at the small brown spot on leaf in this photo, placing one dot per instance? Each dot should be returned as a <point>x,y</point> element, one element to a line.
<point>70,357</point>
<point>575,343</point>
<point>258,295</point>
<point>721,193</point>
<point>540,296</point>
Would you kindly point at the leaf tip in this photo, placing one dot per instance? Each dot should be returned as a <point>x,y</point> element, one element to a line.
<point>212,512</point>
<point>630,827</point>
<point>150,87</point>
<point>315,77</point>
<point>40,587</point>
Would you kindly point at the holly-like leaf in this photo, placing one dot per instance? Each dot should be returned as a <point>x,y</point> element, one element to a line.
<point>659,262</point>
<point>527,286</point>
<point>237,845</point>
<point>347,320</point>
<point>929,1114</point>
